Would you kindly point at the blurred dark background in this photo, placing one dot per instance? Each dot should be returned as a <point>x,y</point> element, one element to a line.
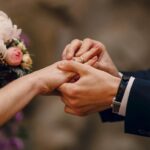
<point>123,26</point>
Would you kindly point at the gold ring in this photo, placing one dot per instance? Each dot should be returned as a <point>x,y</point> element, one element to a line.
<point>79,59</point>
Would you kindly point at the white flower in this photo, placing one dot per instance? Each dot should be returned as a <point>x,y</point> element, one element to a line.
<point>16,32</point>
<point>3,48</point>
<point>8,31</point>
<point>27,61</point>
<point>21,46</point>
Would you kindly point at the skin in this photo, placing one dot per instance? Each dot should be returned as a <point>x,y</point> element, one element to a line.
<point>92,93</point>
<point>17,94</point>
<point>77,48</point>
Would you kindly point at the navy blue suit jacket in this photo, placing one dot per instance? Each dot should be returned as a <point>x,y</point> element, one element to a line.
<point>137,119</point>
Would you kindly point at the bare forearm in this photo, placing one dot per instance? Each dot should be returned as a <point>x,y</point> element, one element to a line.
<point>16,95</point>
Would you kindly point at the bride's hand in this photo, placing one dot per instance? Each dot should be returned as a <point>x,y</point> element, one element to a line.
<point>88,50</point>
<point>78,48</point>
<point>49,78</point>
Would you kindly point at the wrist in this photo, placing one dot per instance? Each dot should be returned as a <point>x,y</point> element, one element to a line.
<point>120,93</point>
<point>36,83</point>
<point>114,89</point>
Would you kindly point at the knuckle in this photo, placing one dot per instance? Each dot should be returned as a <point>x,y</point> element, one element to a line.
<point>101,46</point>
<point>66,48</point>
<point>76,41</point>
<point>98,45</point>
<point>73,103</point>
<point>66,91</point>
<point>73,91</point>
<point>88,39</point>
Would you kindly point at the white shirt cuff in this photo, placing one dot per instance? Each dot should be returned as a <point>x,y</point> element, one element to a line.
<point>120,74</point>
<point>122,110</point>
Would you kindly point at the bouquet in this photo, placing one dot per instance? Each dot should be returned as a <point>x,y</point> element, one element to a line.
<point>15,61</point>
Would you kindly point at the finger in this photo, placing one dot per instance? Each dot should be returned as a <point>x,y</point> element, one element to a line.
<point>95,51</point>
<point>100,45</point>
<point>69,110</point>
<point>86,45</point>
<point>66,89</point>
<point>83,109</point>
<point>75,79</point>
<point>92,61</point>
<point>65,51</point>
<point>73,66</point>
<point>77,59</point>
<point>65,101</point>
<point>93,44</point>
<point>74,47</point>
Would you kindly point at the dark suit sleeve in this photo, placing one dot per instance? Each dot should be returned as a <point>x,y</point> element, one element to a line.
<point>139,74</point>
<point>107,115</point>
<point>137,120</point>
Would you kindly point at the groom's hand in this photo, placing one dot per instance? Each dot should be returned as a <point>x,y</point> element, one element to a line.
<point>50,78</point>
<point>93,92</point>
<point>72,48</point>
<point>77,48</point>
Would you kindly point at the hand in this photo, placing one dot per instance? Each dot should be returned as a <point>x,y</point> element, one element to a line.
<point>77,48</point>
<point>50,78</point>
<point>93,92</point>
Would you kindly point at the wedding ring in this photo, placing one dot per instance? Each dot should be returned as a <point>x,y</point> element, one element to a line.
<point>79,59</point>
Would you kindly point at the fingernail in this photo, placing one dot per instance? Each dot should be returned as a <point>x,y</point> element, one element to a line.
<point>95,58</point>
<point>69,56</point>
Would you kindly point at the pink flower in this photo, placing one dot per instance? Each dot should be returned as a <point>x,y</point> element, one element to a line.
<point>14,56</point>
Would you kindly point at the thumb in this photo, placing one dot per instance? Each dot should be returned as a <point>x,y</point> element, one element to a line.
<point>73,66</point>
<point>64,88</point>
